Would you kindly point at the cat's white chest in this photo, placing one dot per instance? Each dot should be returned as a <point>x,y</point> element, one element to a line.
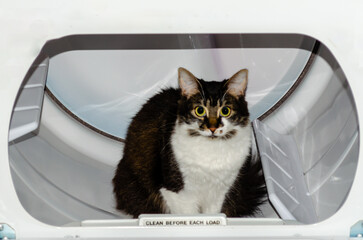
<point>209,168</point>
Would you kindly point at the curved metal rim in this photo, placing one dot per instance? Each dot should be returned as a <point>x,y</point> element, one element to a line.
<point>78,119</point>
<point>295,85</point>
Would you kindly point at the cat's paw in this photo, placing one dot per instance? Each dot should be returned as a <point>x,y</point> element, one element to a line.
<point>179,203</point>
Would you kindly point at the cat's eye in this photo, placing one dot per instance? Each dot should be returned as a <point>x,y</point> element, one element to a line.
<point>200,111</point>
<point>225,111</point>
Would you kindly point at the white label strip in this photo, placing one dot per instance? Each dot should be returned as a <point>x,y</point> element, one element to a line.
<point>181,221</point>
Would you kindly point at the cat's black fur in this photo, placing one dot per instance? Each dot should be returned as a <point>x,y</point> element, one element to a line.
<point>148,163</point>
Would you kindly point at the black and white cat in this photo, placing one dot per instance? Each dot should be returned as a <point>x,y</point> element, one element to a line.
<point>188,151</point>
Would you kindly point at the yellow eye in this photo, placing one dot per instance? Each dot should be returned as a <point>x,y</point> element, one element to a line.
<point>225,111</point>
<point>200,111</point>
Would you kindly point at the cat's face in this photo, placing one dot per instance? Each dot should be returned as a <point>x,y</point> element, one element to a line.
<point>216,110</point>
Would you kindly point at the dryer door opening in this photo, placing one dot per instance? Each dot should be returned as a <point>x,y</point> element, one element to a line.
<point>64,147</point>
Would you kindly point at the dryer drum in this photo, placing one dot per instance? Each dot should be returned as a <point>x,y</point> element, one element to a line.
<point>78,97</point>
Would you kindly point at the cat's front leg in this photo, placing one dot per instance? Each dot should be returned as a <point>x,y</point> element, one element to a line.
<point>180,203</point>
<point>212,205</point>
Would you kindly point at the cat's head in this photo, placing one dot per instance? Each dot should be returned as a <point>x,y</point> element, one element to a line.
<point>216,110</point>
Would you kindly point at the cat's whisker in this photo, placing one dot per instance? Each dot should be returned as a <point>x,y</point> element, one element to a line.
<point>202,91</point>
<point>167,143</point>
<point>223,97</point>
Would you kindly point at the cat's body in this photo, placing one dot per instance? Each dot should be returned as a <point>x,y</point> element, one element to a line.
<point>179,158</point>
<point>209,168</point>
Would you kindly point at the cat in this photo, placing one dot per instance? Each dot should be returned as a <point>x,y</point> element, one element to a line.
<point>188,151</point>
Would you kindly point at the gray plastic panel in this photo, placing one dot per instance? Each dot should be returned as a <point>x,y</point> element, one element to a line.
<point>27,110</point>
<point>23,122</point>
<point>283,173</point>
<point>70,190</point>
<point>332,194</point>
<point>324,123</point>
<point>334,157</point>
<point>309,146</point>
<point>30,98</point>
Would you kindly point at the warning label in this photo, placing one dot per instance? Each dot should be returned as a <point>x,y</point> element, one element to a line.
<point>178,221</point>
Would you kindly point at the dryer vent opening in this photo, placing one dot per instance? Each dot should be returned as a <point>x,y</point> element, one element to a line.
<point>75,104</point>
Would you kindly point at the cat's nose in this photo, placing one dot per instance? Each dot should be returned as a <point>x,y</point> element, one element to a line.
<point>212,129</point>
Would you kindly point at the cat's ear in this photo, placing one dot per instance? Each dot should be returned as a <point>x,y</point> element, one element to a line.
<point>187,82</point>
<point>237,84</point>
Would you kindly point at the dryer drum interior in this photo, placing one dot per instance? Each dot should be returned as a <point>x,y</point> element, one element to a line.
<point>77,99</point>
